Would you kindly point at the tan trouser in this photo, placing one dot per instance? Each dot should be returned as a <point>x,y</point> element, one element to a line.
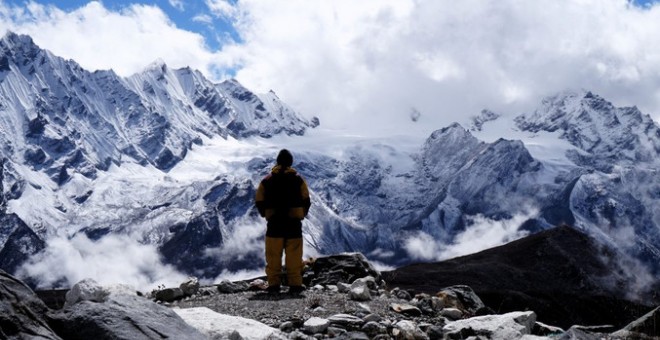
<point>293,247</point>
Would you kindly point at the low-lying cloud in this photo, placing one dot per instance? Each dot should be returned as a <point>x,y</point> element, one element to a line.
<point>246,239</point>
<point>481,233</point>
<point>110,260</point>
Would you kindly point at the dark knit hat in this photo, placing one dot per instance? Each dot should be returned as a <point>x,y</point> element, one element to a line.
<point>284,158</point>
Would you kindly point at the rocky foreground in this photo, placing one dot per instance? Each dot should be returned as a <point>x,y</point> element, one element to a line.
<point>346,298</point>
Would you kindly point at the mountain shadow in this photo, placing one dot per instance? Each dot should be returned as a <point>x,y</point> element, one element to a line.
<point>561,274</point>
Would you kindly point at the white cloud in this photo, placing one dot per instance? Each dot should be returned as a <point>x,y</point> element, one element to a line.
<point>178,4</point>
<point>481,233</point>
<point>203,18</point>
<point>97,38</point>
<point>367,63</point>
<point>110,260</point>
<point>243,241</point>
<point>221,8</point>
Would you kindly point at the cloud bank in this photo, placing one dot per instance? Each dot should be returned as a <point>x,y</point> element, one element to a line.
<point>110,260</point>
<point>370,63</point>
<point>481,233</point>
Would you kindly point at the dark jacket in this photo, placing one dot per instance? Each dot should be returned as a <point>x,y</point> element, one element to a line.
<point>283,199</point>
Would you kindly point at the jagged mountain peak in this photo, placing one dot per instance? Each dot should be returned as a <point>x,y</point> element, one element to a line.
<point>455,130</point>
<point>157,65</point>
<point>446,139</point>
<point>63,114</point>
<point>12,40</point>
<point>18,50</point>
<point>606,133</point>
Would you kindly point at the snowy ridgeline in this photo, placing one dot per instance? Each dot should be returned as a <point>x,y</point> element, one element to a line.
<point>153,176</point>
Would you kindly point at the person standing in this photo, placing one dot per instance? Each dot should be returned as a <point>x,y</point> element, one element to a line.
<point>283,199</point>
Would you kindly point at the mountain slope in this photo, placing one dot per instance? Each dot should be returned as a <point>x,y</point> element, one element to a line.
<point>60,117</point>
<point>63,129</point>
<point>562,274</point>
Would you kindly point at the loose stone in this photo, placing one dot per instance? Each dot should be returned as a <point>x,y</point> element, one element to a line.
<point>316,325</point>
<point>451,313</point>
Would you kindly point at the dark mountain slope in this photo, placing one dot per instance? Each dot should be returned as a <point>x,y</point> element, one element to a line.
<point>561,274</point>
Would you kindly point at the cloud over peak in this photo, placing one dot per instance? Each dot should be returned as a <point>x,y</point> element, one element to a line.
<point>367,63</point>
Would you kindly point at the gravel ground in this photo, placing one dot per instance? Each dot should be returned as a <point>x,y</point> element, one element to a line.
<point>273,310</point>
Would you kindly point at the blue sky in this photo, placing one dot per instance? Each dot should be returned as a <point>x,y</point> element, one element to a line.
<point>371,62</point>
<point>181,12</point>
<point>644,2</point>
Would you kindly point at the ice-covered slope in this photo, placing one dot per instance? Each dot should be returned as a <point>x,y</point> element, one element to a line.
<point>63,129</point>
<point>58,116</point>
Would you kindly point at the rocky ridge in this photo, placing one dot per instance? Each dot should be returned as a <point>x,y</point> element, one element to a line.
<point>351,302</point>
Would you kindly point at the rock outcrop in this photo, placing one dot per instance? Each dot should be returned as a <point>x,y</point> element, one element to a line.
<point>91,311</point>
<point>22,313</point>
<point>96,312</point>
<point>646,327</point>
<point>219,326</point>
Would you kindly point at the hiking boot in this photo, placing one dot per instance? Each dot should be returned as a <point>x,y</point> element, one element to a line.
<point>275,289</point>
<point>296,289</point>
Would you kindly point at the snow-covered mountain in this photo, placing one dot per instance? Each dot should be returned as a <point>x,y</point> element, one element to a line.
<point>62,128</point>
<point>166,161</point>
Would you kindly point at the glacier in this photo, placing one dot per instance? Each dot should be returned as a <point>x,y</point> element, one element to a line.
<point>165,164</point>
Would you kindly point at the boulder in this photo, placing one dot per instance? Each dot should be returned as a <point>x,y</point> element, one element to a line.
<point>370,281</point>
<point>334,332</point>
<point>90,290</point>
<point>405,309</point>
<point>258,285</point>
<point>287,327</point>
<point>451,313</point>
<point>372,317</point>
<point>228,287</point>
<point>190,287</point>
<point>401,294</point>
<point>346,267</point>
<point>359,291</point>
<point>461,297</point>
<point>373,328</point>
<point>120,316</point>
<point>22,313</point>
<point>363,308</point>
<point>220,326</point>
<point>315,325</point>
<point>506,326</point>
<point>169,294</point>
<point>648,325</point>
<point>85,290</point>
<point>408,330</point>
<point>425,303</point>
<point>435,332</point>
<point>346,321</point>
